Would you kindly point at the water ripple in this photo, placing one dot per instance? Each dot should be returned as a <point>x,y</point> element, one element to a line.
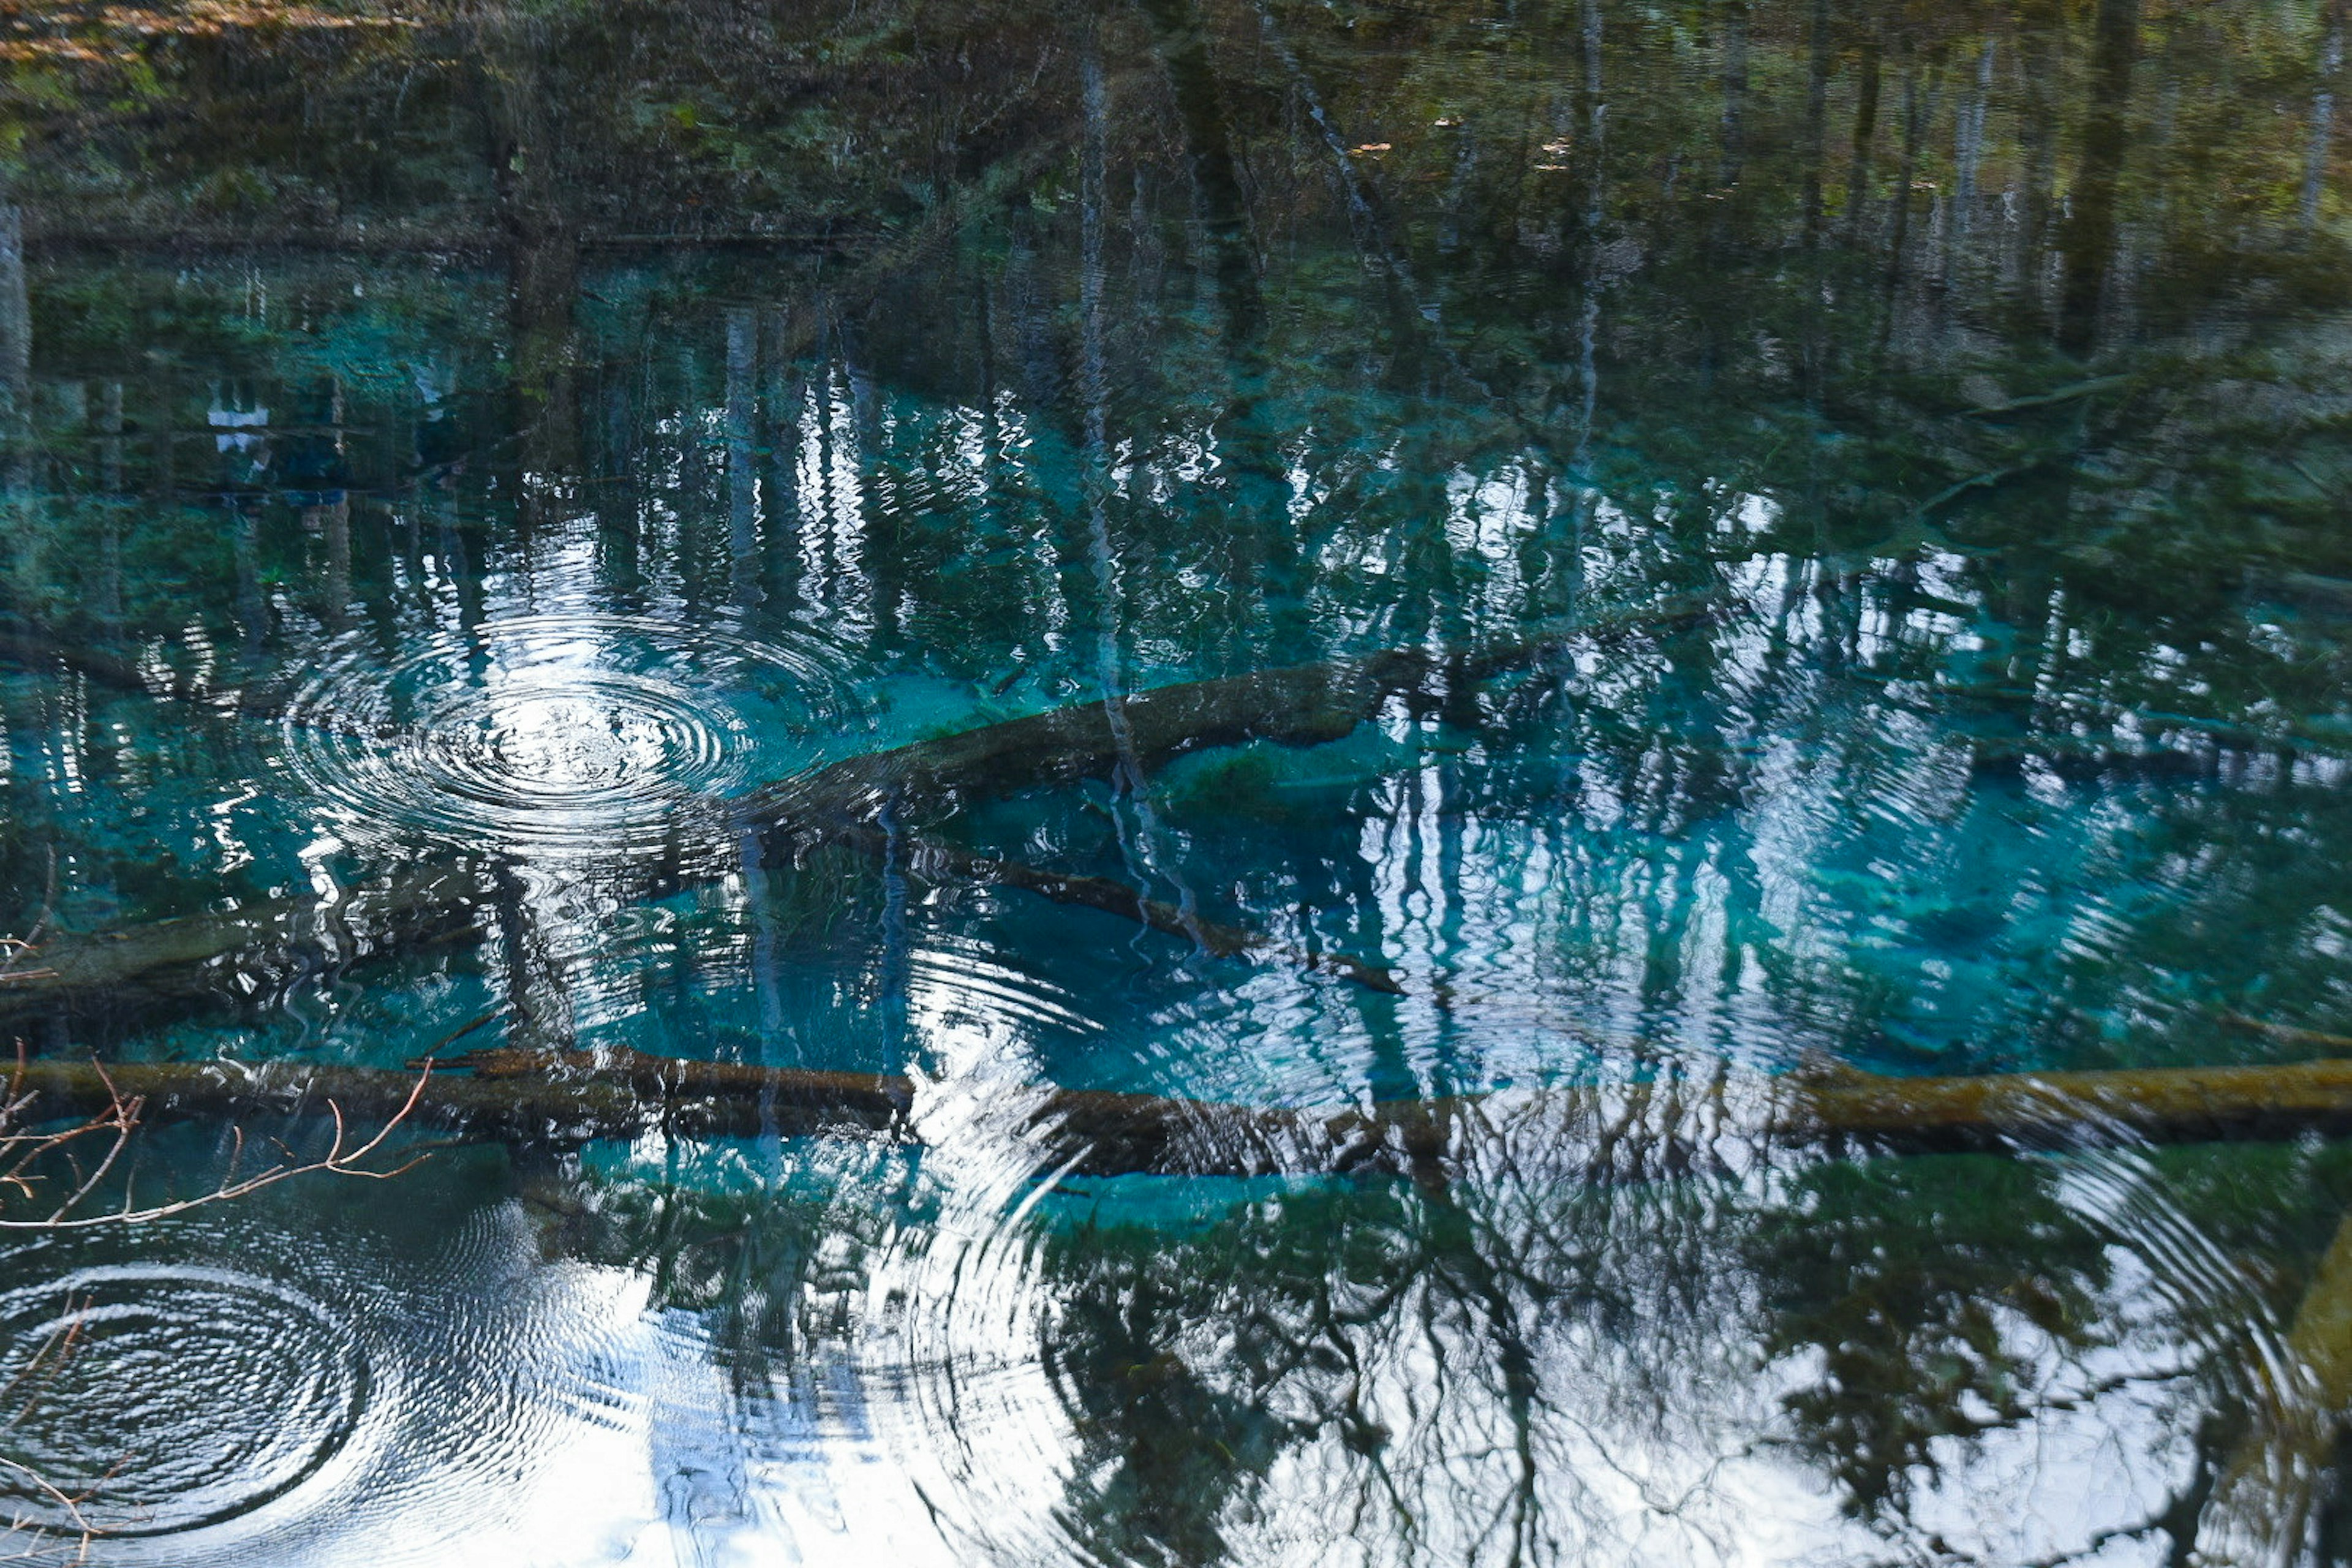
<point>555,733</point>
<point>172,1398</point>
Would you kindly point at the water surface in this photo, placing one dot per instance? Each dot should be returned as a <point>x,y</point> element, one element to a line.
<point>1860,495</point>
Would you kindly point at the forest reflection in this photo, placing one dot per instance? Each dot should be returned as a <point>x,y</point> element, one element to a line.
<point>710,1354</point>
<point>1295,557</point>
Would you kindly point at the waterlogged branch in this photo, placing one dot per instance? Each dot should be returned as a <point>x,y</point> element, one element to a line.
<point>30,1151</point>
<point>1587,1133</point>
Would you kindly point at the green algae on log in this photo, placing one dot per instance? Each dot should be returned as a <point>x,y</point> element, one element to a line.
<point>1613,1132</point>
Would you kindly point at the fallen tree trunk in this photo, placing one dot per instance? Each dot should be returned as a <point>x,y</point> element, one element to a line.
<point>130,975</point>
<point>200,957</point>
<point>241,954</point>
<point>1616,1132</point>
<point>36,650</point>
<point>938,862</point>
<point>1302,705</point>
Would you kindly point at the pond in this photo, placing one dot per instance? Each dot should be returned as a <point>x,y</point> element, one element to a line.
<point>1221,782</point>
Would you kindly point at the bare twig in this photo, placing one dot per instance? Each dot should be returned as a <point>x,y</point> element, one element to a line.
<point>23,1149</point>
<point>43,1539</point>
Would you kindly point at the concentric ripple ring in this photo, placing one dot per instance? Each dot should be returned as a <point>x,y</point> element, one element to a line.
<point>551,732</point>
<point>168,1399</point>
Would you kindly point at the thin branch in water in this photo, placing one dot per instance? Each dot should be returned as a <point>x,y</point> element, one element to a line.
<point>79,1526</point>
<point>119,1120</point>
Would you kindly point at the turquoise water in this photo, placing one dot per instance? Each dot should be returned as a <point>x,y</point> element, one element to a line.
<point>1687,552</point>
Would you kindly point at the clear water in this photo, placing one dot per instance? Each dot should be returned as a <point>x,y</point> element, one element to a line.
<point>1870,487</point>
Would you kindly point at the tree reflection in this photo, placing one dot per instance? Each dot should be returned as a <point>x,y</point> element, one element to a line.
<point>1524,1372</point>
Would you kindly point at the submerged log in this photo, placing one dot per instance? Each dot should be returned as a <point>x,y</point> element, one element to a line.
<point>1614,1132</point>
<point>38,650</point>
<point>939,862</point>
<point>34,649</point>
<point>196,960</point>
<point>1301,705</point>
<point>208,957</point>
<point>200,957</point>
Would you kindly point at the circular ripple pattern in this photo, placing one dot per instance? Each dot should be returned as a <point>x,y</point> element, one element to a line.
<point>170,1399</point>
<point>551,732</point>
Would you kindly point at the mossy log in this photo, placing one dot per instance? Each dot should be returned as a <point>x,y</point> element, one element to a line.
<point>1617,1132</point>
